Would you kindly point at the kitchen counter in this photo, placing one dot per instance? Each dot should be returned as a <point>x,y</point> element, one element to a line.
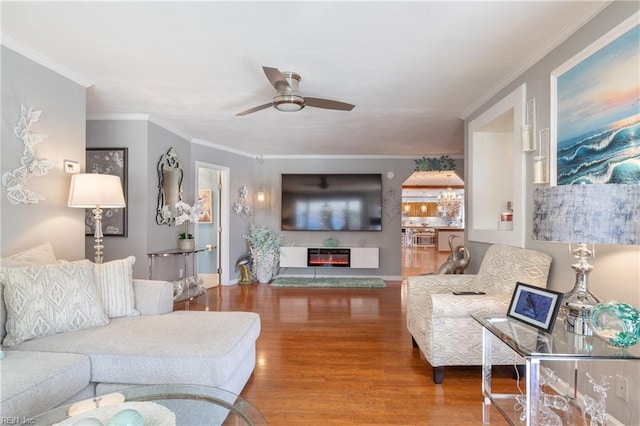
<point>443,234</point>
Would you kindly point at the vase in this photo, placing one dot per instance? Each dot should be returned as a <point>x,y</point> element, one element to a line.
<point>186,244</point>
<point>264,265</point>
<point>616,323</point>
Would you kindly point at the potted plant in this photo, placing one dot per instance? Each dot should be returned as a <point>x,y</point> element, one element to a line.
<point>187,214</point>
<point>264,246</point>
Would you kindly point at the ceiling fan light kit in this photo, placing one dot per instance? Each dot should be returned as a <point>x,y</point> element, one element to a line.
<point>288,103</point>
<point>288,100</point>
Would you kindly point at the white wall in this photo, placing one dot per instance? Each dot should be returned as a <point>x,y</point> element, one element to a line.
<point>63,106</point>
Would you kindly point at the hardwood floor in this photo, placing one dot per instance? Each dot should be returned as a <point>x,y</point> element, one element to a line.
<point>344,357</point>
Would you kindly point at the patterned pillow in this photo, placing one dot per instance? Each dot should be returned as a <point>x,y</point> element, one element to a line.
<point>48,299</point>
<point>40,255</point>
<point>115,283</point>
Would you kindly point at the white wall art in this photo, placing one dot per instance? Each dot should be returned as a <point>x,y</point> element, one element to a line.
<point>31,165</point>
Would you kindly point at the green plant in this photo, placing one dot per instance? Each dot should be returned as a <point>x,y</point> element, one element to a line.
<point>442,164</point>
<point>185,236</point>
<point>262,238</point>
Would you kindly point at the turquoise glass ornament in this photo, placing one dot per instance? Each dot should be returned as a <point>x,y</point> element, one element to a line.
<point>616,323</point>
<point>127,417</point>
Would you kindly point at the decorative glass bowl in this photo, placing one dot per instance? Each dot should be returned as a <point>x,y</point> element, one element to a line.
<point>616,323</point>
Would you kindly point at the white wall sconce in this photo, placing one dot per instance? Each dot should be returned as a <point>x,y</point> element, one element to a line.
<point>528,141</point>
<point>528,138</point>
<point>258,178</point>
<point>541,161</point>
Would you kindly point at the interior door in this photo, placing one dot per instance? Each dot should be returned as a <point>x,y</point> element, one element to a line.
<point>209,228</point>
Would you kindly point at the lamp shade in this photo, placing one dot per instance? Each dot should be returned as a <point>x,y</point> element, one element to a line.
<point>90,190</point>
<point>587,213</point>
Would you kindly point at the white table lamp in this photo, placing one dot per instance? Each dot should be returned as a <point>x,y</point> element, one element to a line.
<point>95,191</point>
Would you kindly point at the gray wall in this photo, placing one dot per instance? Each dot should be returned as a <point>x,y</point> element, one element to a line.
<point>616,274</point>
<point>63,106</point>
<point>146,143</point>
<point>388,240</point>
<point>131,134</point>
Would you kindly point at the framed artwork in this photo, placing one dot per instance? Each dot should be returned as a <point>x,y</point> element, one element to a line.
<point>108,161</point>
<point>204,196</point>
<point>535,306</point>
<point>595,111</point>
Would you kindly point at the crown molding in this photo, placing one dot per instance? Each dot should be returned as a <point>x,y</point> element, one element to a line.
<point>171,128</point>
<point>570,29</point>
<point>198,141</point>
<point>139,117</point>
<point>119,117</point>
<point>46,62</point>
<point>356,157</point>
<point>222,147</point>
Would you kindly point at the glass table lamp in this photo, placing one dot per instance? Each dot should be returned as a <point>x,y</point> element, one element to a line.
<point>585,214</point>
<point>96,191</point>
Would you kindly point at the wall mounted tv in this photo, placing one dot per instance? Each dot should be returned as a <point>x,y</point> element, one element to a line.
<point>331,202</point>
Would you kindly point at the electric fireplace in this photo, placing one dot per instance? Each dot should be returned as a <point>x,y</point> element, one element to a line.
<point>329,257</point>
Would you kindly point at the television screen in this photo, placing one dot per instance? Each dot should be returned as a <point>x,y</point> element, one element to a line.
<point>331,202</point>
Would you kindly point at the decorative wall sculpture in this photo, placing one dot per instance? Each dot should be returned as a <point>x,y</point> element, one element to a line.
<point>31,165</point>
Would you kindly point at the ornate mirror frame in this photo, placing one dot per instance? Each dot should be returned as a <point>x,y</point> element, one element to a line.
<point>170,175</point>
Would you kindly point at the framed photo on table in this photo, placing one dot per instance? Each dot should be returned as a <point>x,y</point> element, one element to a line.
<point>535,306</point>
<point>108,161</point>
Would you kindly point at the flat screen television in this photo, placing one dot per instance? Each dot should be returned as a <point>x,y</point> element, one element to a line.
<point>331,202</point>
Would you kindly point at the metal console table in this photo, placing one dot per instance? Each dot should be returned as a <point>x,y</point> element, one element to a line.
<point>536,346</point>
<point>188,292</point>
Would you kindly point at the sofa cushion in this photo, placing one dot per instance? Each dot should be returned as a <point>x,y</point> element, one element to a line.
<point>47,299</point>
<point>34,382</point>
<point>201,348</point>
<point>115,282</point>
<point>40,255</point>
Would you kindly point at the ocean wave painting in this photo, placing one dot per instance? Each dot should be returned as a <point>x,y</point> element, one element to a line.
<point>598,115</point>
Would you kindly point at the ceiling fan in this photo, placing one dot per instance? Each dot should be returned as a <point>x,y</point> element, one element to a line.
<point>288,98</point>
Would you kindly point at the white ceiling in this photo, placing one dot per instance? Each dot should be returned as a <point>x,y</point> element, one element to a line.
<point>413,69</point>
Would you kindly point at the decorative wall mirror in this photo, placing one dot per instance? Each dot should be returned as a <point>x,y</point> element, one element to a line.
<point>170,176</point>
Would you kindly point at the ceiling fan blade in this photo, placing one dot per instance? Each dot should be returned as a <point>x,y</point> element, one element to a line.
<point>275,77</point>
<point>254,109</point>
<point>327,104</point>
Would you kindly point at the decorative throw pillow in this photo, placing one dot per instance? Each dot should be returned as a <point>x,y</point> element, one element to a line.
<point>115,283</point>
<point>48,299</point>
<point>40,255</point>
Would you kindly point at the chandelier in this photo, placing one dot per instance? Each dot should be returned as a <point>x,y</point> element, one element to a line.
<point>449,203</point>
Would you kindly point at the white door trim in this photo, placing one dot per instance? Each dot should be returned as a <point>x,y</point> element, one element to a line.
<point>225,277</point>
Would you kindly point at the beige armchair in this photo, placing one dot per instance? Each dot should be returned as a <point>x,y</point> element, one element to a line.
<point>440,322</point>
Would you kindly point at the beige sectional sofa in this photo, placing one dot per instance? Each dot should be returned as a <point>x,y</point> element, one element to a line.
<point>148,344</point>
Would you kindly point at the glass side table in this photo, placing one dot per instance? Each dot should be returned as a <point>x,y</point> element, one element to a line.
<point>536,346</point>
<point>191,286</point>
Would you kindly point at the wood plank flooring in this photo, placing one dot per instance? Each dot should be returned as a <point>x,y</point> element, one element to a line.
<point>344,357</point>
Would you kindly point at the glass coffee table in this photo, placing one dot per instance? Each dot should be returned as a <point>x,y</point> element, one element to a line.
<point>191,405</point>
